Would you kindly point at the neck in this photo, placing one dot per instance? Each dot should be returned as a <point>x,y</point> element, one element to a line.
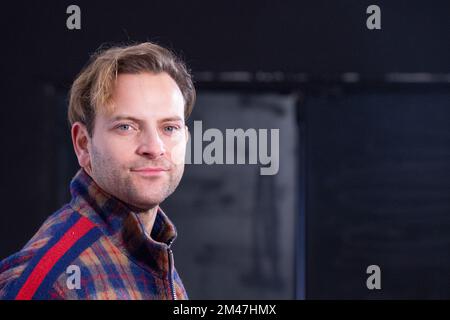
<point>147,218</point>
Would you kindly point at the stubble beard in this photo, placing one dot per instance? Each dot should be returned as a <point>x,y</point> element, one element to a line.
<point>129,187</point>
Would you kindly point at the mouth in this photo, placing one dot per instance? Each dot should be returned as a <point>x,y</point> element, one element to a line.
<point>150,171</point>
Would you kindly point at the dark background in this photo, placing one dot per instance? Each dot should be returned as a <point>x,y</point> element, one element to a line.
<point>368,113</point>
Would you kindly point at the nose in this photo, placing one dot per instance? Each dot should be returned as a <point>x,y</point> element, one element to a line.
<point>151,144</point>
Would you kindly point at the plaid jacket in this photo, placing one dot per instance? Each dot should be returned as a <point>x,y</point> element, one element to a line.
<point>94,248</point>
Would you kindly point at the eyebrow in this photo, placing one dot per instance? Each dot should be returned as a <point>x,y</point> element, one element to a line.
<point>125,117</point>
<point>174,118</point>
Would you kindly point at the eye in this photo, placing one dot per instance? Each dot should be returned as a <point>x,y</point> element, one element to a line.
<point>124,127</point>
<point>170,129</point>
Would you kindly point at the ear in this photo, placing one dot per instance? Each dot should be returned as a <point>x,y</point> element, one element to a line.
<point>81,144</point>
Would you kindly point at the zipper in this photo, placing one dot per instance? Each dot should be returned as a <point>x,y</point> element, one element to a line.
<point>170,254</point>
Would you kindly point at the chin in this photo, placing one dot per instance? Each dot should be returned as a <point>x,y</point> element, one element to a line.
<point>149,202</point>
<point>143,206</point>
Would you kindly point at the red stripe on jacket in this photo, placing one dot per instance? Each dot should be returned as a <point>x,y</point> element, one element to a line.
<point>51,257</point>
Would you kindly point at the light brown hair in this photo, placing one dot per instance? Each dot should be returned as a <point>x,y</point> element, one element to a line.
<point>94,85</point>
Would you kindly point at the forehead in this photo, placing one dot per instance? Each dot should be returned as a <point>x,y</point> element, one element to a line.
<point>146,96</point>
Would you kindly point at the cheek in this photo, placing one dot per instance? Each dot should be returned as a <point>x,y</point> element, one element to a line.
<point>112,151</point>
<point>178,153</point>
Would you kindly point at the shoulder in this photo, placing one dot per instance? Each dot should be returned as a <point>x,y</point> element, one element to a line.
<point>31,272</point>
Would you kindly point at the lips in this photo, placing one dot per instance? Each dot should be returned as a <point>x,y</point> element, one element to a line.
<point>150,169</point>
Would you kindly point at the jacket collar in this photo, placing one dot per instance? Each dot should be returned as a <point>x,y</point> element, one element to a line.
<point>121,224</point>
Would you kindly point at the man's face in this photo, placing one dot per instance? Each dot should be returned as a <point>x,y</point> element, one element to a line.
<point>137,152</point>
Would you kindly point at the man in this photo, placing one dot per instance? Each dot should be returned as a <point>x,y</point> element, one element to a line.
<point>127,112</point>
